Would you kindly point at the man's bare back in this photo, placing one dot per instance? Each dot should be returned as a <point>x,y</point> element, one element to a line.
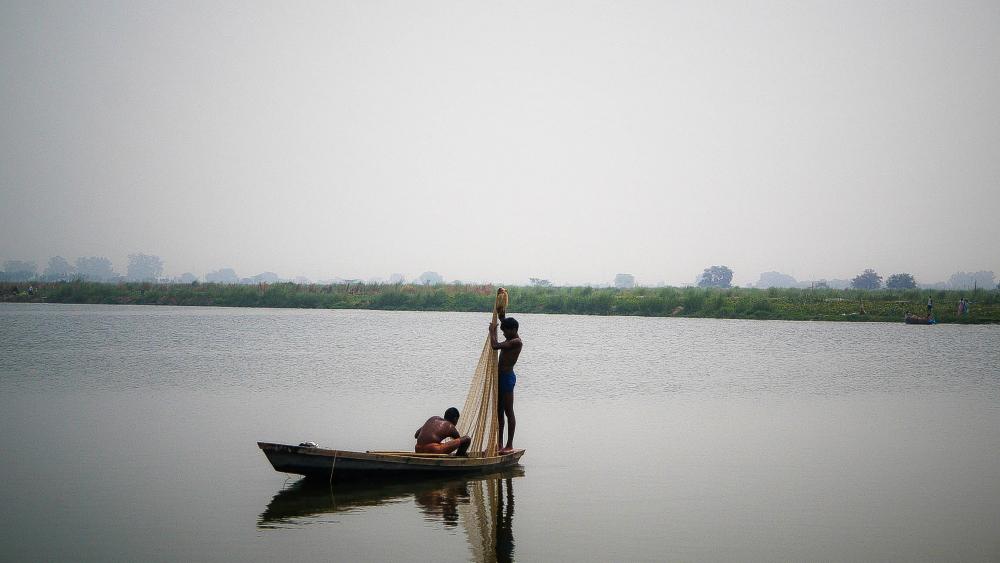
<point>435,430</point>
<point>429,436</point>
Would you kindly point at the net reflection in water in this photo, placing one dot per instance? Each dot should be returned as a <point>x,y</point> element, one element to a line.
<point>483,505</point>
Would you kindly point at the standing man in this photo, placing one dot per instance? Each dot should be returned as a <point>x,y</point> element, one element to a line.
<point>930,306</point>
<point>510,349</point>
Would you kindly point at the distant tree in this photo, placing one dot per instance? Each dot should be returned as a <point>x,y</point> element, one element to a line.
<point>821,284</point>
<point>143,267</point>
<point>969,280</point>
<point>538,282</point>
<point>397,278</point>
<point>59,269</point>
<point>187,277</point>
<point>222,275</point>
<point>716,276</point>
<point>266,277</point>
<point>95,268</point>
<point>867,280</point>
<point>624,281</point>
<point>19,270</point>
<point>776,279</point>
<point>430,278</point>
<point>901,281</point>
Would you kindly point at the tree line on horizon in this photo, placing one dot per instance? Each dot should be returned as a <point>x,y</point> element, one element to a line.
<point>871,280</point>
<point>702,302</point>
<point>141,267</point>
<point>149,268</point>
<point>722,276</point>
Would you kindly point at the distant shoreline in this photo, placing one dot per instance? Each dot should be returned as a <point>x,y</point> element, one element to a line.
<point>882,305</point>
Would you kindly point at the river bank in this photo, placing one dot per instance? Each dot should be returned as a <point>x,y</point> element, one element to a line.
<point>736,303</point>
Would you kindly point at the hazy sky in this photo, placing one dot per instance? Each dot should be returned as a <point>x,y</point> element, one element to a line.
<point>504,140</point>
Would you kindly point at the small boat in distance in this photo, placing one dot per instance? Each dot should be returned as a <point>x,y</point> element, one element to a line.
<point>917,320</point>
<point>321,463</point>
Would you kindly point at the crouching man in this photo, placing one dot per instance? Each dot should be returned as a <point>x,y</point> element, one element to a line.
<point>439,435</point>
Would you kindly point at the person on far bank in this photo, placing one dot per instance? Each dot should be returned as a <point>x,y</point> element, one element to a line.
<point>510,349</point>
<point>930,306</point>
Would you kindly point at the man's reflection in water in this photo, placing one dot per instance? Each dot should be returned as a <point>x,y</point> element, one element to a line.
<point>483,507</point>
<point>505,518</point>
<point>443,503</point>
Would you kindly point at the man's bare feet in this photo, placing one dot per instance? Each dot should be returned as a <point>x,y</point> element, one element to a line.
<point>505,450</point>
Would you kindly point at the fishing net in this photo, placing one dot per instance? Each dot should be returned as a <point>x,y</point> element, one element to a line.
<point>479,518</point>
<point>478,418</point>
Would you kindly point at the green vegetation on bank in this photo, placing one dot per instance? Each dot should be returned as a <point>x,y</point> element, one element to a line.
<point>736,303</point>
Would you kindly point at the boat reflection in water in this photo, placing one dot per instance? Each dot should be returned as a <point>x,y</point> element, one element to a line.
<point>483,505</point>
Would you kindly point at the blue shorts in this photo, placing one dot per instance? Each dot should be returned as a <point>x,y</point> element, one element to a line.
<point>507,381</point>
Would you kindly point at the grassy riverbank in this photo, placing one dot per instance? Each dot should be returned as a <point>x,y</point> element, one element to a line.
<point>790,304</point>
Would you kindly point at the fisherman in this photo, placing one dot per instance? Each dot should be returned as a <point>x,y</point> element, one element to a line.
<point>930,306</point>
<point>510,349</point>
<point>439,435</point>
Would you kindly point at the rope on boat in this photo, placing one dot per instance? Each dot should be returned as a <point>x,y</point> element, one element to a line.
<point>332,465</point>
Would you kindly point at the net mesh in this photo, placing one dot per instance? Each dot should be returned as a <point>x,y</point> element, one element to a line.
<point>478,419</point>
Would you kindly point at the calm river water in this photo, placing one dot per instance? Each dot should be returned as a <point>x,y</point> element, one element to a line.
<point>128,433</point>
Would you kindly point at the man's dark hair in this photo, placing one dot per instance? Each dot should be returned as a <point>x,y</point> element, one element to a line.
<point>508,324</point>
<point>451,415</point>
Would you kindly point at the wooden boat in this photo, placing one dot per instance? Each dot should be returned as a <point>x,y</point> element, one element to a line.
<point>320,463</point>
<point>915,320</point>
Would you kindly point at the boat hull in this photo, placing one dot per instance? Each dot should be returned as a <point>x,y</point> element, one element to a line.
<point>320,463</point>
